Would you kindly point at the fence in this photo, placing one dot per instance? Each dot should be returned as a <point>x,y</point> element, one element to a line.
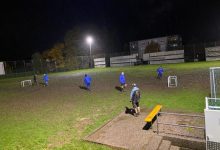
<point>192,52</point>
<point>165,57</point>
<point>182,125</point>
<point>82,62</point>
<point>151,58</point>
<point>128,60</point>
<point>99,62</point>
<point>28,67</point>
<point>21,67</point>
<point>212,53</point>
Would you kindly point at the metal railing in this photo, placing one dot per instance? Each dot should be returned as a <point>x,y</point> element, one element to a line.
<point>212,103</point>
<point>180,125</point>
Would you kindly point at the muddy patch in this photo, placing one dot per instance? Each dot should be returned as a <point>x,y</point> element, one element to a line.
<point>82,123</point>
<point>59,139</point>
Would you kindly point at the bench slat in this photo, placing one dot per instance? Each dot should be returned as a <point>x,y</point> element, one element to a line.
<point>153,113</point>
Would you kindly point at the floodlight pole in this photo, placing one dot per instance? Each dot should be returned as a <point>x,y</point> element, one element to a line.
<point>90,52</point>
<point>89,41</point>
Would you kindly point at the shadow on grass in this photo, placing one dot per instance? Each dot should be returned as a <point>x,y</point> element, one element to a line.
<point>83,87</point>
<point>118,88</point>
<point>41,84</point>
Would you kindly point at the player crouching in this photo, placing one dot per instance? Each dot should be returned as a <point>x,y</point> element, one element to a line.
<point>122,81</point>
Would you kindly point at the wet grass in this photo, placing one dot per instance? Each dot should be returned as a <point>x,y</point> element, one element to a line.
<point>59,116</point>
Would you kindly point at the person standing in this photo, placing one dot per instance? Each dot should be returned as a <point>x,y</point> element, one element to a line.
<point>135,96</point>
<point>46,79</point>
<point>35,79</point>
<point>87,81</point>
<point>122,81</point>
<point>160,72</point>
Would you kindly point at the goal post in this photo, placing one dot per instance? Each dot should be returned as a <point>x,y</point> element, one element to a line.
<point>212,111</point>
<point>172,81</point>
<point>215,82</point>
<point>26,83</point>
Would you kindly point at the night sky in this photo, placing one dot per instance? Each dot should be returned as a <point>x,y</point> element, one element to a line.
<point>28,26</point>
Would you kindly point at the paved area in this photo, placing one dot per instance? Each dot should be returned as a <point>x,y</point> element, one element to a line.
<point>126,132</point>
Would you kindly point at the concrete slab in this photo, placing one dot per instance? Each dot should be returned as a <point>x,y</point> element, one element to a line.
<point>165,145</point>
<point>124,131</point>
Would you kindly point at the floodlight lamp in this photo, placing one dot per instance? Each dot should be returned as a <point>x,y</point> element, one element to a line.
<point>89,39</point>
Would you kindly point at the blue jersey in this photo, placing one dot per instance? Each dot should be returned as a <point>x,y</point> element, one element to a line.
<point>160,70</point>
<point>45,78</point>
<point>87,80</point>
<point>122,79</point>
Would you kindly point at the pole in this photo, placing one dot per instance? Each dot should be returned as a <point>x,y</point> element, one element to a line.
<point>24,67</point>
<point>41,66</point>
<point>90,49</point>
<point>213,82</point>
<point>90,53</point>
<point>15,67</point>
<point>130,54</point>
<point>193,52</point>
<point>5,70</point>
<point>157,125</point>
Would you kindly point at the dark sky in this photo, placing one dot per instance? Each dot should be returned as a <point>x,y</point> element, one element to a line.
<point>28,26</point>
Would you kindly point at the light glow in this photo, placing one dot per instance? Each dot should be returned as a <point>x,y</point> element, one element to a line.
<point>89,39</point>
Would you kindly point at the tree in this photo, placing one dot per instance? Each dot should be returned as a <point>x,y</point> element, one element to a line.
<point>75,44</point>
<point>55,54</point>
<point>70,59</point>
<point>72,41</point>
<point>37,60</point>
<point>73,47</point>
<point>53,57</point>
<point>45,54</point>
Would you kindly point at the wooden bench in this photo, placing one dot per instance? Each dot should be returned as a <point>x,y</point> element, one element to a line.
<point>150,117</point>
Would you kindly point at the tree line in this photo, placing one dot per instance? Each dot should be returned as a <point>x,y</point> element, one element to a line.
<point>65,54</point>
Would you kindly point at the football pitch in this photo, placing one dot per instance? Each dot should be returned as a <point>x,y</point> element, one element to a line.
<point>61,115</point>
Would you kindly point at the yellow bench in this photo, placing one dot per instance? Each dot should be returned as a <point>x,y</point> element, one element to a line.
<point>153,113</point>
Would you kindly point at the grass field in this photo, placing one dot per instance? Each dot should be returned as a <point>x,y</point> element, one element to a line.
<point>59,116</point>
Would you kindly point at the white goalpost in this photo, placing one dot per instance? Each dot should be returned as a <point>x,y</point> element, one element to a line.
<point>172,81</point>
<point>215,82</point>
<point>26,83</point>
<point>212,111</point>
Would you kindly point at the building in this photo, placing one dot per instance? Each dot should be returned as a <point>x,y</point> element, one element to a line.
<point>160,44</point>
